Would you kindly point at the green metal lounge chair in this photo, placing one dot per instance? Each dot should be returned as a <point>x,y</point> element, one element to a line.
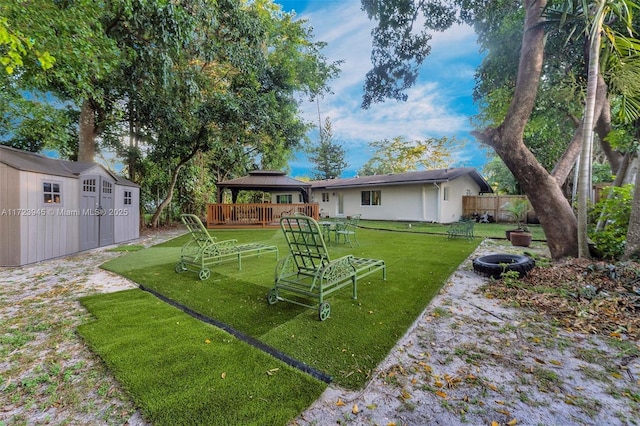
<point>203,250</point>
<point>308,275</point>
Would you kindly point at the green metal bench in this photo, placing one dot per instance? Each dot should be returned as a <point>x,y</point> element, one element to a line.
<point>463,228</point>
<point>308,275</point>
<point>203,250</point>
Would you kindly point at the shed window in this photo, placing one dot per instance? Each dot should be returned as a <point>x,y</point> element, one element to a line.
<point>107,187</point>
<point>370,198</point>
<point>445,193</point>
<point>325,197</point>
<point>52,192</point>
<point>127,198</point>
<point>89,185</point>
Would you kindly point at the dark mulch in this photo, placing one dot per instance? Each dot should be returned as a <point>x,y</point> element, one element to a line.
<point>580,295</point>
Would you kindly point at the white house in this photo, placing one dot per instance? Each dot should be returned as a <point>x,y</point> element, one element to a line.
<point>421,196</point>
<point>51,207</point>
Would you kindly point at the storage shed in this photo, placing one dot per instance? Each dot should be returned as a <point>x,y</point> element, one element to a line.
<point>51,207</point>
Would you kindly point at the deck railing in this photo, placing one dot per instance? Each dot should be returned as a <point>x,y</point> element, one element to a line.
<point>261,214</point>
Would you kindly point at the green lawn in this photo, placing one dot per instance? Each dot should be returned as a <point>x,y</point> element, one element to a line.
<point>348,346</point>
<point>481,230</point>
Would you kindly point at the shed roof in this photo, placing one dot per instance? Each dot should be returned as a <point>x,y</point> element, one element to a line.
<point>421,176</point>
<point>36,163</point>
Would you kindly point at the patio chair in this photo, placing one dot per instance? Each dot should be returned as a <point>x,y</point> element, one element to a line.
<point>308,275</point>
<point>203,250</point>
<point>347,229</point>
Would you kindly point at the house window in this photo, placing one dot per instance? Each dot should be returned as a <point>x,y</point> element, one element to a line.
<point>445,193</point>
<point>370,198</point>
<point>127,198</point>
<point>325,197</point>
<point>52,192</point>
<point>284,199</point>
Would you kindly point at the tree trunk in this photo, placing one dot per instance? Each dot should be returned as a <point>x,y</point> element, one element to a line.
<point>632,249</point>
<point>544,192</point>
<point>163,205</point>
<point>603,126</point>
<point>586,154</point>
<point>87,132</point>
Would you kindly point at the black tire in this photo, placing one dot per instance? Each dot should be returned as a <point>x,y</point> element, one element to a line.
<point>493,265</point>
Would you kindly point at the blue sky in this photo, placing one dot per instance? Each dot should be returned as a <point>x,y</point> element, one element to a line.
<point>440,103</point>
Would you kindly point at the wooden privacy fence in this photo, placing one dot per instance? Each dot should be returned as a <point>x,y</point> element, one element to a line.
<point>493,205</point>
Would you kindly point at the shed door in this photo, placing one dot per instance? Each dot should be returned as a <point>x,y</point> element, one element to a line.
<point>106,218</point>
<point>96,200</point>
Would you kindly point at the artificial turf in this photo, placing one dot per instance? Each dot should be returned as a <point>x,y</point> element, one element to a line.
<point>350,344</point>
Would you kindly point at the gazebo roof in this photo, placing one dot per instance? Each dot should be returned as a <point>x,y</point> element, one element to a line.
<point>267,181</point>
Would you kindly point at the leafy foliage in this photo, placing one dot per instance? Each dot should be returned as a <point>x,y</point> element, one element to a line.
<point>400,155</point>
<point>610,242</point>
<point>500,177</point>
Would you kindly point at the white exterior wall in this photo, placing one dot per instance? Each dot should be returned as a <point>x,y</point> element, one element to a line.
<point>126,224</point>
<point>53,229</point>
<point>452,209</point>
<point>411,202</point>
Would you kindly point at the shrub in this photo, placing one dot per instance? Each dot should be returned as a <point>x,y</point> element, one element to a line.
<point>614,210</point>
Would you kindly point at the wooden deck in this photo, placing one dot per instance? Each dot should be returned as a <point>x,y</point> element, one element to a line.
<point>262,215</point>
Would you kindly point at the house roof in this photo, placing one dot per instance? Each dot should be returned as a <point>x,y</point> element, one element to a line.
<point>32,162</point>
<point>417,177</point>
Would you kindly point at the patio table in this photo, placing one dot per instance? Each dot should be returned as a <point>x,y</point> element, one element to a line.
<point>327,227</point>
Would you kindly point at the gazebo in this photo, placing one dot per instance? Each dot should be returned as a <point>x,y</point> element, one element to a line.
<point>260,214</point>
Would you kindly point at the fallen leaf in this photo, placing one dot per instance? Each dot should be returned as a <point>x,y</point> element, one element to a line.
<point>223,375</point>
<point>372,406</point>
<point>441,394</point>
<point>354,410</point>
<point>512,422</point>
<point>340,403</point>
<point>272,371</point>
<point>207,341</point>
<point>555,362</point>
<point>494,423</point>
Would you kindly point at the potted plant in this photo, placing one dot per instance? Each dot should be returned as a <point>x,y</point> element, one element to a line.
<point>518,209</point>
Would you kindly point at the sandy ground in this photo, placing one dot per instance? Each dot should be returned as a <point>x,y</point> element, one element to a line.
<point>467,359</point>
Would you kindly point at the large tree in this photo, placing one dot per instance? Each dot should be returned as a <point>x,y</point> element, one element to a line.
<point>232,92</point>
<point>400,155</point>
<point>399,48</point>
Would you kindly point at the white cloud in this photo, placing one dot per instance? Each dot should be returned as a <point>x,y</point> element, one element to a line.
<point>437,105</point>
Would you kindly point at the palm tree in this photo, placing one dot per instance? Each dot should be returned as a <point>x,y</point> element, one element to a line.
<point>594,16</point>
